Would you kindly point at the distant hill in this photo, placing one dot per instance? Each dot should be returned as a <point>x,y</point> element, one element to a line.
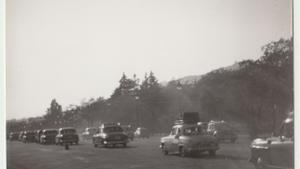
<point>193,78</point>
<point>189,79</point>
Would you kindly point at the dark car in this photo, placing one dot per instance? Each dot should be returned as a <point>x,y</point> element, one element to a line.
<point>28,137</point>
<point>21,134</point>
<point>110,134</point>
<point>277,151</point>
<point>37,136</point>
<point>13,136</point>
<point>48,136</point>
<point>129,131</point>
<point>67,135</point>
<point>222,131</point>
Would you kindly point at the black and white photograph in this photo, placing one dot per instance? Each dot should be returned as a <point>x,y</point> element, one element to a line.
<point>149,84</point>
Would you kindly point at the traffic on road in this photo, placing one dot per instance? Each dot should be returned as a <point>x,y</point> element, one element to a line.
<point>190,144</point>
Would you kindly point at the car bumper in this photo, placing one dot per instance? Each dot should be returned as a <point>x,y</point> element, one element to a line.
<point>110,142</point>
<point>115,142</point>
<point>70,140</point>
<point>199,149</point>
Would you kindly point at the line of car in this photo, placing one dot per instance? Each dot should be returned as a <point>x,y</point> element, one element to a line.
<point>47,136</point>
<point>185,138</point>
<point>106,134</point>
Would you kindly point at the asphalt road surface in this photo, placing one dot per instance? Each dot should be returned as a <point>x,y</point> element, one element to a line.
<point>140,154</point>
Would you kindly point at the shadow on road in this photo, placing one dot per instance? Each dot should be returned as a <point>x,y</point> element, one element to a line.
<point>117,147</point>
<point>218,156</point>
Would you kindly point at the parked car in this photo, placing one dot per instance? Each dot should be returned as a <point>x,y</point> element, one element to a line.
<point>13,136</point>
<point>89,132</point>
<point>188,139</point>
<point>28,137</point>
<point>222,131</point>
<point>276,151</point>
<point>110,134</point>
<point>48,136</point>
<point>129,131</point>
<point>21,134</point>
<point>142,132</point>
<point>37,136</point>
<point>67,135</point>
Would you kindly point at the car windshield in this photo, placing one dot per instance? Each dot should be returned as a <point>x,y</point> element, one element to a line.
<point>112,129</point>
<point>195,130</point>
<point>68,131</point>
<point>50,132</point>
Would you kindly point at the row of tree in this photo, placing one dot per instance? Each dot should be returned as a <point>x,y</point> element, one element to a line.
<point>259,94</point>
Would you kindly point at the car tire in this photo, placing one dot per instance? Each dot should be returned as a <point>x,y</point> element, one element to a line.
<point>260,163</point>
<point>165,152</point>
<point>212,152</point>
<point>124,145</point>
<point>95,145</point>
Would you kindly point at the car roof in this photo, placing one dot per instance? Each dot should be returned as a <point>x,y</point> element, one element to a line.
<point>186,125</point>
<point>67,128</point>
<point>49,130</point>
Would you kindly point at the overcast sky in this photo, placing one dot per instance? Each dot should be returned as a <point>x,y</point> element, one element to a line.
<point>76,49</point>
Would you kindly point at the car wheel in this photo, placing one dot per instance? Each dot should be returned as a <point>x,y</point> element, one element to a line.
<point>95,145</point>
<point>76,142</point>
<point>182,153</point>
<point>212,152</point>
<point>260,164</point>
<point>124,144</point>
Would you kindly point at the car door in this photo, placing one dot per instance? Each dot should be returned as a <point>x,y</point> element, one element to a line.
<point>175,140</point>
<point>169,140</point>
<point>282,150</point>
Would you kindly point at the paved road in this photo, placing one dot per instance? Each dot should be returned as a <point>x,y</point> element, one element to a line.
<point>140,154</point>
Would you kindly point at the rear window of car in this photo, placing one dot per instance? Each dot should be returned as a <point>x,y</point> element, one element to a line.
<point>51,132</point>
<point>112,129</point>
<point>68,131</point>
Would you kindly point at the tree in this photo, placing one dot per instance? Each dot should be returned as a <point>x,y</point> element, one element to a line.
<point>54,114</point>
<point>126,86</point>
